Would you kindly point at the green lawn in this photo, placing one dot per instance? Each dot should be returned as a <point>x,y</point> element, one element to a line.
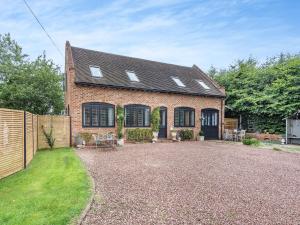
<point>53,189</point>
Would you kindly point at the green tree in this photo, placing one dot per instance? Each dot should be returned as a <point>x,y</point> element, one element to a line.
<point>34,86</point>
<point>266,92</point>
<point>212,71</point>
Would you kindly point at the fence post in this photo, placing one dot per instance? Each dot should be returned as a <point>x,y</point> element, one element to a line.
<point>32,134</point>
<point>37,132</point>
<point>25,140</point>
<point>70,145</point>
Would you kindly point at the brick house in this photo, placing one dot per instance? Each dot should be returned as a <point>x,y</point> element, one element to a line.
<point>96,82</point>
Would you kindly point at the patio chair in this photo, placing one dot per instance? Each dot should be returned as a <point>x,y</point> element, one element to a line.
<point>98,139</point>
<point>235,134</point>
<point>111,138</point>
<point>241,135</point>
<point>228,135</point>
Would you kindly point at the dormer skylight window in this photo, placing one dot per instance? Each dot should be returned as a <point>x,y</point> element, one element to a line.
<point>204,85</point>
<point>178,82</point>
<point>95,71</point>
<point>132,76</point>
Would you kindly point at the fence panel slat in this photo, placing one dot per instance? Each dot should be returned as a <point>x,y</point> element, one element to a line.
<point>60,130</point>
<point>11,141</point>
<point>29,138</point>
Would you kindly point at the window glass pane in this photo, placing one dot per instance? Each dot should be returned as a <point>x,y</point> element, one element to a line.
<point>95,118</point>
<point>192,119</point>
<point>126,116</point>
<point>98,115</point>
<point>186,118</point>
<point>86,116</point>
<point>111,117</point>
<point>204,85</point>
<point>181,118</point>
<point>140,117</point>
<point>216,119</point>
<point>132,76</point>
<point>147,117</point>
<point>103,117</point>
<point>129,114</point>
<point>178,81</point>
<point>137,116</point>
<point>95,71</point>
<point>163,118</point>
<point>176,119</point>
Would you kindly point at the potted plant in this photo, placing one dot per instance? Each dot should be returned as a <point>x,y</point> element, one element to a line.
<point>120,122</point>
<point>86,137</point>
<point>173,134</point>
<point>200,136</point>
<point>155,120</point>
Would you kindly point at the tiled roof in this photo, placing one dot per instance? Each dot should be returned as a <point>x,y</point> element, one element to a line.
<point>153,76</point>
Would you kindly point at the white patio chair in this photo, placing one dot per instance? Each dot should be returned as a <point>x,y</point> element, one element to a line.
<point>98,139</point>
<point>110,139</point>
<point>228,135</point>
<point>241,135</point>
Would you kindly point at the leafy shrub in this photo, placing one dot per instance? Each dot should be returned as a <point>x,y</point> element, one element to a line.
<point>86,137</point>
<point>186,134</point>
<point>120,121</point>
<point>201,133</point>
<point>139,134</point>
<point>155,119</point>
<point>49,137</point>
<point>251,141</point>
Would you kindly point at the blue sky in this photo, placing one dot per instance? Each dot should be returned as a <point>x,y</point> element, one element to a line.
<point>175,31</point>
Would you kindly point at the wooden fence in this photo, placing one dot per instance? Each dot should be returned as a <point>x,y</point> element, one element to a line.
<point>231,123</point>
<point>21,135</point>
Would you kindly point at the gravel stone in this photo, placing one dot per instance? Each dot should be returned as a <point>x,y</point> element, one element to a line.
<point>193,183</point>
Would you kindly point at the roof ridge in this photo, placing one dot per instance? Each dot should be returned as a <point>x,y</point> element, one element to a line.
<point>130,57</point>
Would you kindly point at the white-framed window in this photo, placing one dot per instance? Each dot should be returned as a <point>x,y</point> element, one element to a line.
<point>132,76</point>
<point>178,81</point>
<point>204,85</point>
<point>96,71</point>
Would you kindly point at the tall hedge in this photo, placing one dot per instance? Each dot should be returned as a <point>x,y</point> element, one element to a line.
<point>264,92</point>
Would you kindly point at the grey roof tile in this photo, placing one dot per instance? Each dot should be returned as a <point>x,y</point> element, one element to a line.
<point>153,76</point>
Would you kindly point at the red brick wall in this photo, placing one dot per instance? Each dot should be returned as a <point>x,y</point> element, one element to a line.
<point>76,95</point>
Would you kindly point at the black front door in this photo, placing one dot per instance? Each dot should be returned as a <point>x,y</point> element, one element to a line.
<point>163,123</point>
<point>210,123</point>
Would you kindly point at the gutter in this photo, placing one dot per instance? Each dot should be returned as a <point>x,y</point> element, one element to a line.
<point>147,90</point>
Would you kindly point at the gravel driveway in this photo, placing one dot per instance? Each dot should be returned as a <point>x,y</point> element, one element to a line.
<point>193,183</point>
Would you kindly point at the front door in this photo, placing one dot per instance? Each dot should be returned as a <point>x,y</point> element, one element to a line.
<point>210,123</point>
<point>163,123</point>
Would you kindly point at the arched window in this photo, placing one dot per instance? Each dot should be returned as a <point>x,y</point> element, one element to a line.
<point>184,117</point>
<point>137,116</point>
<point>95,114</point>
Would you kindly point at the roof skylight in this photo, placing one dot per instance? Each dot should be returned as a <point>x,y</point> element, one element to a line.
<point>178,82</point>
<point>204,85</point>
<point>95,71</point>
<point>132,76</point>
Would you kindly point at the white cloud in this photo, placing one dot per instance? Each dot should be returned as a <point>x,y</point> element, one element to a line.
<point>183,32</point>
